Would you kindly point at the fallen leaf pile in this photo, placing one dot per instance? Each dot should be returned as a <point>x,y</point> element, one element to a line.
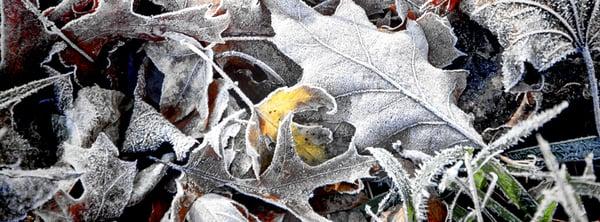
<point>275,110</point>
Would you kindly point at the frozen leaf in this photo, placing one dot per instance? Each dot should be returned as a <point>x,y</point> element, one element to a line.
<point>213,207</point>
<point>204,171</point>
<point>184,95</point>
<point>148,178</point>
<point>115,18</point>
<point>271,111</point>
<point>107,181</point>
<point>68,10</point>
<point>95,110</point>
<point>16,150</point>
<point>15,95</point>
<point>288,182</point>
<point>440,40</point>
<point>24,190</point>
<point>248,18</point>
<point>148,130</point>
<point>362,72</point>
<point>542,33</point>
<point>23,37</point>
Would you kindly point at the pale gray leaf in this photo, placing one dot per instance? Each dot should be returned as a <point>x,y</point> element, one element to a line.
<point>362,71</point>
<point>95,110</point>
<point>248,18</point>
<point>25,190</point>
<point>148,130</point>
<point>440,39</point>
<point>148,178</point>
<point>184,94</point>
<point>540,32</point>
<point>17,151</point>
<point>213,207</point>
<point>109,19</point>
<point>107,181</point>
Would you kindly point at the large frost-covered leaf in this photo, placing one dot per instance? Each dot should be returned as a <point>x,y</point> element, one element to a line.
<point>540,32</point>
<point>24,190</point>
<point>372,75</point>
<point>107,181</point>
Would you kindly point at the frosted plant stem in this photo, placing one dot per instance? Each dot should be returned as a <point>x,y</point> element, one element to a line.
<point>52,29</point>
<point>224,75</point>
<point>473,188</point>
<point>589,63</point>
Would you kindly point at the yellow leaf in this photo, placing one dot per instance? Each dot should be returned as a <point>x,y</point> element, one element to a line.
<point>310,146</point>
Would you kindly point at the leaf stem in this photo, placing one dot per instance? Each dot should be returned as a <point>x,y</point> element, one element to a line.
<point>473,188</point>
<point>591,71</point>
<point>224,75</point>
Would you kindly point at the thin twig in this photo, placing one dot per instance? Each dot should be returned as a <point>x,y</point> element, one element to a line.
<point>589,63</point>
<point>473,188</point>
<point>190,45</point>
<point>491,188</point>
<point>52,29</point>
<point>265,67</point>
